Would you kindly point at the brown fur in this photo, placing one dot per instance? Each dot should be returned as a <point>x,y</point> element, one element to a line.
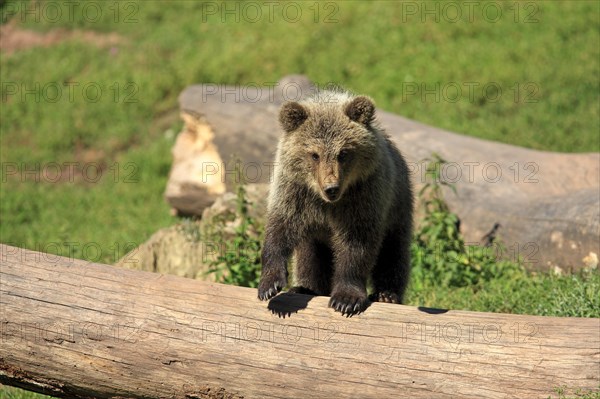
<point>341,202</point>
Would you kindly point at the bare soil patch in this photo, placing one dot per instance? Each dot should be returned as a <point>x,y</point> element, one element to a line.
<point>13,38</point>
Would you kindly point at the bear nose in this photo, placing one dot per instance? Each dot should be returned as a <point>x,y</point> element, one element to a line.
<point>332,191</point>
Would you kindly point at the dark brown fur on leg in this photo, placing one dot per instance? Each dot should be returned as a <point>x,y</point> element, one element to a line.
<point>349,293</point>
<point>275,254</point>
<point>313,269</point>
<point>391,273</point>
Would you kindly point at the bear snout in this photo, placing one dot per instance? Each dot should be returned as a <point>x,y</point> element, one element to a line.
<point>332,191</point>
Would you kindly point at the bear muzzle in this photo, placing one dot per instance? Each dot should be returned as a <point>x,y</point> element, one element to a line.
<point>332,192</point>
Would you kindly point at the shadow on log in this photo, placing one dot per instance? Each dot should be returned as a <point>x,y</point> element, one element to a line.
<point>76,329</point>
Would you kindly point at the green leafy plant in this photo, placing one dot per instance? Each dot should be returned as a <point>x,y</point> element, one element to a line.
<point>238,262</point>
<point>439,253</point>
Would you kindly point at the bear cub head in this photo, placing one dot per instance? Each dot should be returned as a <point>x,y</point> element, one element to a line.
<point>330,142</point>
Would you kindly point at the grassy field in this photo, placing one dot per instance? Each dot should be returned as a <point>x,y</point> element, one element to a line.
<point>103,110</point>
<point>89,117</point>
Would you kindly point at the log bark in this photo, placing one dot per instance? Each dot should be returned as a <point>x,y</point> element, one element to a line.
<point>76,329</point>
<point>548,203</point>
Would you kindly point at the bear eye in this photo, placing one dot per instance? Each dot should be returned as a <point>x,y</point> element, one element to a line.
<point>315,156</point>
<point>343,155</point>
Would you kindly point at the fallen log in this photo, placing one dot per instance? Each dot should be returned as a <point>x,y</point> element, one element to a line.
<point>547,203</point>
<point>76,329</point>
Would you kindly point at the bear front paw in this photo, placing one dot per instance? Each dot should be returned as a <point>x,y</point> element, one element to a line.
<point>270,284</point>
<point>349,302</point>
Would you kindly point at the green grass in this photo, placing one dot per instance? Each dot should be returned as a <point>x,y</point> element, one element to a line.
<point>374,48</point>
<point>548,73</point>
<point>577,394</point>
<point>540,294</point>
<point>7,392</point>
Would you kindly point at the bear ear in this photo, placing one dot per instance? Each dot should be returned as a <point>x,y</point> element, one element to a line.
<point>361,109</point>
<point>291,116</point>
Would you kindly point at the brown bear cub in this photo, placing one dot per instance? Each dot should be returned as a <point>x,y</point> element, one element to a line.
<point>341,202</point>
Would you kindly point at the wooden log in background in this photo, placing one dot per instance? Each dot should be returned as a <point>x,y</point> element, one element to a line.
<point>76,329</point>
<point>546,202</point>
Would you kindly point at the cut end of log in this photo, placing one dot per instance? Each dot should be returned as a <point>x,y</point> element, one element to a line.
<point>195,179</point>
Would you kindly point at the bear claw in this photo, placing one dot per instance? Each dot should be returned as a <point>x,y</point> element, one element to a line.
<point>348,304</point>
<point>270,285</point>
